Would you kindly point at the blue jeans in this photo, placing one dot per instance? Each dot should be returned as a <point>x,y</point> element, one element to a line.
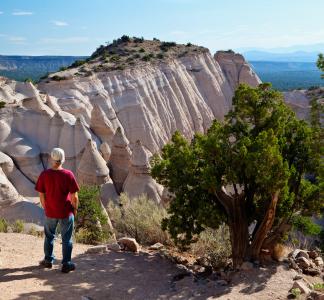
<point>67,225</point>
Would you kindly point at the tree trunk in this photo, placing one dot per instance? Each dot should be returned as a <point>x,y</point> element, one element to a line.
<point>237,222</point>
<point>264,228</point>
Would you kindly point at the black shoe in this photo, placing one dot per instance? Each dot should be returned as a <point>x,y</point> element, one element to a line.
<point>46,264</point>
<point>66,268</point>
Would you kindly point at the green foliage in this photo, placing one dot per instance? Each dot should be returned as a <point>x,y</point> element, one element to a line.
<point>318,287</point>
<point>320,63</point>
<point>188,45</point>
<point>296,292</point>
<point>2,104</point>
<point>165,46</point>
<point>18,226</point>
<point>261,149</point>
<point>90,221</point>
<point>3,225</point>
<point>142,50</point>
<point>160,56</point>
<point>139,218</point>
<point>306,225</point>
<point>64,68</point>
<point>138,40</point>
<point>29,80</point>
<point>78,63</point>
<point>58,78</point>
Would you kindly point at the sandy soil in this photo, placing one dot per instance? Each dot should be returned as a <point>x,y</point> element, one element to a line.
<point>121,276</point>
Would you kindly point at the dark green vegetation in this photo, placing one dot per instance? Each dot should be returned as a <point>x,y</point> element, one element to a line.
<point>91,222</point>
<point>33,67</point>
<point>286,76</point>
<point>250,168</point>
<point>320,63</point>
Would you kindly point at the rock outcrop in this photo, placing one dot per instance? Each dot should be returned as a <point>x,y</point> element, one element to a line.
<point>98,111</point>
<point>138,181</point>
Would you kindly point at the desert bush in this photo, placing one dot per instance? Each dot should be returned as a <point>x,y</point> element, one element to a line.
<point>214,245</point>
<point>63,68</point>
<point>189,45</point>
<point>139,218</point>
<point>138,40</point>
<point>90,222</point>
<point>141,50</point>
<point>160,56</point>
<point>295,293</point>
<point>2,104</point>
<point>18,226</point>
<point>78,63</point>
<point>165,46</point>
<point>156,40</point>
<point>58,78</point>
<point>148,57</point>
<point>3,225</point>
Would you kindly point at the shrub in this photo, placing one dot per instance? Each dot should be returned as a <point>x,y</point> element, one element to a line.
<point>2,104</point>
<point>63,68</point>
<point>18,226</point>
<point>295,292</point>
<point>139,218</point>
<point>78,63</point>
<point>188,45</point>
<point>90,223</point>
<point>160,56</point>
<point>141,50</point>
<point>136,56</point>
<point>115,58</point>
<point>214,245</point>
<point>148,57</point>
<point>138,40</point>
<point>58,78</point>
<point>125,38</point>
<point>3,225</point>
<point>165,46</point>
<point>29,80</point>
<point>155,39</point>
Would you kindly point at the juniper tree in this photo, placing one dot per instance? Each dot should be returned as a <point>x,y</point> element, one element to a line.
<point>250,168</point>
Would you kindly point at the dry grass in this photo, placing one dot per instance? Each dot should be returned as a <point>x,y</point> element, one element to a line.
<point>139,218</point>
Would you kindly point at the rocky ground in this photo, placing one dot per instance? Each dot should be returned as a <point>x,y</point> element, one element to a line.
<point>124,275</point>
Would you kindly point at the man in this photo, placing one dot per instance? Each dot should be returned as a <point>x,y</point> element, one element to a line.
<point>58,189</point>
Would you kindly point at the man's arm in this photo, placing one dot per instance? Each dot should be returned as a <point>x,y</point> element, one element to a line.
<point>42,199</point>
<point>75,201</point>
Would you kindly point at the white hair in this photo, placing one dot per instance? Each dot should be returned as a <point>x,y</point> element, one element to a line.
<point>58,155</point>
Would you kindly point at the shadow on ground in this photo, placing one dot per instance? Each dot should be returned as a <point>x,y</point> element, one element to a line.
<point>127,276</point>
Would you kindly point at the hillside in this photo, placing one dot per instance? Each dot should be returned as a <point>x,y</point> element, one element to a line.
<point>33,67</point>
<point>110,115</point>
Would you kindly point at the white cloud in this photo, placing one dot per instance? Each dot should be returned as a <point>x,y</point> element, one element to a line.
<point>22,13</point>
<point>68,40</point>
<point>17,39</point>
<point>60,23</point>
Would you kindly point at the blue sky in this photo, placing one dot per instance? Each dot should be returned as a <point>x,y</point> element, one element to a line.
<point>77,27</point>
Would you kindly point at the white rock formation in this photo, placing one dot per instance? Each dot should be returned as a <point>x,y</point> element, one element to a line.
<point>119,161</point>
<point>236,69</point>
<point>110,111</point>
<point>139,182</point>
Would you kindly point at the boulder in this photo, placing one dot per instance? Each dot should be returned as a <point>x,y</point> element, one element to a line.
<point>156,246</point>
<point>319,261</point>
<point>114,247</point>
<point>302,253</point>
<point>303,262</point>
<point>129,244</point>
<point>300,284</point>
<point>97,249</point>
<point>317,295</point>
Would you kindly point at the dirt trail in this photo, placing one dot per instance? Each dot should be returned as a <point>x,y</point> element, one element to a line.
<point>120,276</point>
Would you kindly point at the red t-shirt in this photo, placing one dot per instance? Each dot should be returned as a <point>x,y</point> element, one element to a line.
<point>57,186</point>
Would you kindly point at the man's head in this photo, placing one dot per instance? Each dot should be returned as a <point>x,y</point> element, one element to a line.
<point>58,157</point>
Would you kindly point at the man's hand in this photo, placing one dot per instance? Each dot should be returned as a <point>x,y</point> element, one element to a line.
<point>75,202</point>
<point>42,199</point>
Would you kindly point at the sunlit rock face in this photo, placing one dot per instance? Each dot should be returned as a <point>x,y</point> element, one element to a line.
<point>109,122</point>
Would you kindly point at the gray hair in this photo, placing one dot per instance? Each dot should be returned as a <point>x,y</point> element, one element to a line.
<point>58,155</point>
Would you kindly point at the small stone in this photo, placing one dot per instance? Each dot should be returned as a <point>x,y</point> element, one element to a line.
<point>294,253</point>
<point>317,295</point>
<point>300,284</point>
<point>313,254</point>
<point>246,266</point>
<point>312,272</point>
<point>303,262</point>
<point>156,246</point>
<point>114,247</point>
<point>221,282</point>
<point>97,249</point>
<point>319,261</point>
<point>129,244</point>
<point>298,277</point>
<point>302,253</point>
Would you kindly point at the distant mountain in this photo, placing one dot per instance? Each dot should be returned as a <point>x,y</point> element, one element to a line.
<point>33,67</point>
<point>298,56</point>
<point>286,76</point>
<point>297,53</point>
